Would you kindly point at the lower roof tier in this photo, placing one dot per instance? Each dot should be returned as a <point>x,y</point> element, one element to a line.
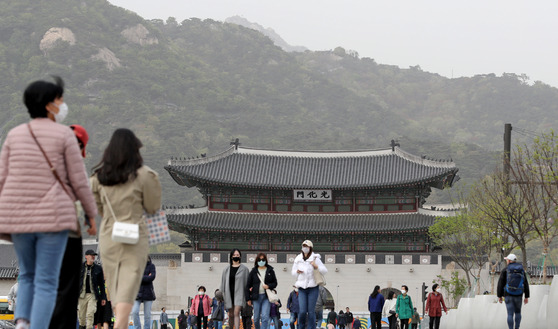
<point>203,219</point>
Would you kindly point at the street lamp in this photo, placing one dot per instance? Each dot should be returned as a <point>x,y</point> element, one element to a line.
<point>337,296</point>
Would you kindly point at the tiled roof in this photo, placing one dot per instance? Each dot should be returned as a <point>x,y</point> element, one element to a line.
<point>245,167</point>
<point>202,218</point>
<point>8,273</point>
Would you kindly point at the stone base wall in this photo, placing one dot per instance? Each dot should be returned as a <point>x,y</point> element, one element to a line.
<point>349,284</point>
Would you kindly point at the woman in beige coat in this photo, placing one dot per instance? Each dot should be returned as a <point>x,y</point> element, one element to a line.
<point>132,189</point>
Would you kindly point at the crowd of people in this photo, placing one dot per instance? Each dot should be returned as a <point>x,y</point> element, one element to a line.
<point>43,178</point>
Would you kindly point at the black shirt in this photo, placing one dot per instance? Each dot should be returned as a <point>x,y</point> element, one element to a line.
<point>88,280</point>
<point>232,281</point>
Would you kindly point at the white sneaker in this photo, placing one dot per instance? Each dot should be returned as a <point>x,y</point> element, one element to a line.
<point>22,324</point>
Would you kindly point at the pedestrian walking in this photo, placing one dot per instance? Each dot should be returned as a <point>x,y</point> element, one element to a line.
<point>303,269</point>
<point>293,308</point>
<point>341,319</point>
<point>275,313</point>
<point>217,302</point>
<point>376,303</point>
<point>404,307</point>
<point>247,312</point>
<point>68,281</point>
<point>349,317</point>
<point>262,277</point>
<point>434,305</point>
<point>512,285</point>
<point>146,296</point>
<point>415,320</point>
<point>201,308</point>
<point>182,320</point>
<point>164,318</point>
<point>233,286</point>
<point>124,189</point>
<point>356,324</point>
<point>332,317</point>
<point>191,320</point>
<point>12,297</point>
<point>322,299</point>
<point>103,315</point>
<point>388,311</point>
<point>92,290</point>
<point>41,176</point>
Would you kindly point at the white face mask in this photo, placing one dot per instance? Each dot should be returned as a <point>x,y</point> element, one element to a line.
<point>403,291</point>
<point>305,250</point>
<point>201,293</point>
<point>62,112</point>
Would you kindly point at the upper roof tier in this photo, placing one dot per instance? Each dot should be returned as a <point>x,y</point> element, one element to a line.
<point>257,168</point>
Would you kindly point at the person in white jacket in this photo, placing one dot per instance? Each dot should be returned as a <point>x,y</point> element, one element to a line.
<point>389,310</point>
<point>303,269</point>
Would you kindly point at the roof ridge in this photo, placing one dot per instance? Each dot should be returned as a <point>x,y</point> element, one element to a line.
<point>423,160</point>
<point>314,154</point>
<point>182,210</point>
<point>202,160</point>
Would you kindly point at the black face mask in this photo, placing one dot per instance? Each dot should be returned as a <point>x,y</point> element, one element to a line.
<point>236,259</point>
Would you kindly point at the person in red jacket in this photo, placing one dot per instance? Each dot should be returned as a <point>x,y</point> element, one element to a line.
<point>434,304</point>
<point>201,307</point>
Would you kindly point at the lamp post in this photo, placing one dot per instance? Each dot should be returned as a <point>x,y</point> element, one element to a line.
<point>337,296</point>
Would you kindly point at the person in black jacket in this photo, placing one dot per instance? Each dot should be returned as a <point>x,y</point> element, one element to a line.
<point>92,289</point>
<point>513,291</point>
<point>256,290</point>
<point>146,295</point>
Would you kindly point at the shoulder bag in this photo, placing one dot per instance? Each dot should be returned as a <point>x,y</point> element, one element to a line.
<point>127,233</point>
<point>319,277</point>
<point>271,296</point>
<point>158,227</point>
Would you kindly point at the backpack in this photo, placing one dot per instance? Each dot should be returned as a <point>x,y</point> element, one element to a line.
<point>515,279</point>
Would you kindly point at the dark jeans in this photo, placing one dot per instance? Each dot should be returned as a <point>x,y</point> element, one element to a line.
<point>199,322</point>
<point>513,305</point>
<point>68,287</point>
<point>414,325</point>
<point>294,317</point>
<point>404,323</point>
<point>319,318</point>
<point>434,322</point>
<point>307,299</point>
<point>376,320</point>
<point>392,319</point>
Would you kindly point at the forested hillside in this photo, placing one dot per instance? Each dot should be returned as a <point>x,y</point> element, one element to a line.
<point>188,87</point>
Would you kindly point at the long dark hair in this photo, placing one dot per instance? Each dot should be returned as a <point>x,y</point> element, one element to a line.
<point>121,159</point>
<point>390,295</point>
<point>375,292</point>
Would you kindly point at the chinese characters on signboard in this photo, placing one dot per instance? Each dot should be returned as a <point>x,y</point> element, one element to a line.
<point>312,195</point>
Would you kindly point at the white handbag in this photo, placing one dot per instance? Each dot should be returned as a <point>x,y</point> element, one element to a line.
<point>122,232</point>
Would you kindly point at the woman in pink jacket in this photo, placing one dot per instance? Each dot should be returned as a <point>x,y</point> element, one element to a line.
<point>201,307</point>
<point>41,176</point>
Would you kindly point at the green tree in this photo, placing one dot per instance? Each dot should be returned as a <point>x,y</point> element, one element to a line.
<point>466,241</point>
<point>455,286</point>
<point>535,172</point>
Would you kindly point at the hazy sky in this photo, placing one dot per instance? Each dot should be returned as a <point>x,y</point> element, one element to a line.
<point>451,38</point>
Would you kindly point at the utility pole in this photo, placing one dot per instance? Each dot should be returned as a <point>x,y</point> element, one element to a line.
<point>507,164</point>
<point>507,153</point>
